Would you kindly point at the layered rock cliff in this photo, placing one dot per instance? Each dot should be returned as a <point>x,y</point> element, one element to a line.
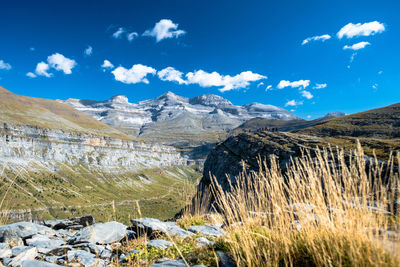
<point>28,144</point>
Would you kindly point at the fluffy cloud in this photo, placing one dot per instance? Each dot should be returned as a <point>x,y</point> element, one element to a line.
<point>55,61</point>
<point>41,69</point>
<point>172,75</point>
<point>293,103</point>
<point>227,82</point>
<point>31,75</point>
<point>4,65</point>
<point>307,94</point>
<point>316,38</point>
<point>107,64</point>
<point>260,84</point>
<point>268,87</point>
<point>136,74</point>
<point>301,83</point>
<point>320,86</point>
<point>118,33</point>
<point>366,29</point>
<point>88,51</point>
<point>356,46</point>
<point>59,62</point>
<point>164,29</point>
<point>131,36</point>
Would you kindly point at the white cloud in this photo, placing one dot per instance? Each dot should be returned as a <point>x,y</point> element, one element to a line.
<point>131,36</point>
<point>268,87</point>
<point>366,29</point>
<point>88,51</point>
<point>118,33</point>
<point>260,84</point>
<point>375,86</point>
<point>107,64</point>
<point>293,103</point>
<point>308,116</point>
<point>316,38</point>
<point>42,68</point>
<point>172,75</point>
<point>164,29</point>
<point>31,75</point>
<point>307,94</point>
<point>4,65</point>
<point>136,74</point>
<point>59,62</point>
<point>301,83</point>
<point>227,82</point>
<point>320,86</point>
<point>380,72</point>
<point>356,46</point>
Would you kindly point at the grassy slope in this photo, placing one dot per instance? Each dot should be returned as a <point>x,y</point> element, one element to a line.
<point>76,190</point>
<point>381,123</point>
<point>23,110</point>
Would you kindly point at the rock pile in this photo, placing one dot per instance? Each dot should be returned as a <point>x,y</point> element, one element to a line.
<point>82,242</point>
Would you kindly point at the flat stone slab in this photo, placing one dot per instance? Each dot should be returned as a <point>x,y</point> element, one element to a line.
<point>27,255</point>
<point>100,233</point>
<point>159,243</point>
<point>150,226</point>
<point>36,263</point>
<point>171,263</point>
<point>85,258</point>
<point>207,230</point>
<point>5,253</point>
<point>73,223</point>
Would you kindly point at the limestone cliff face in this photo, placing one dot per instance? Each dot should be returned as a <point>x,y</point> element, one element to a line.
<point>28,144</point>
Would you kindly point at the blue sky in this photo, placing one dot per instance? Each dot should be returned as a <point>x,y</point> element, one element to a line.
<point>231,48</point>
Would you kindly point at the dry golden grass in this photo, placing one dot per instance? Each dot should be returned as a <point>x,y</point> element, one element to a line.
<point>323,211</point>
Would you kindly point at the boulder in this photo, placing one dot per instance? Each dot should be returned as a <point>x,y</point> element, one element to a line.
<point>151,227</point>
<point>16,232</point>
<point>100,233</point>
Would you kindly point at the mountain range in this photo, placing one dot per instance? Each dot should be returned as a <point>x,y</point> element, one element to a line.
<point>186,123</point>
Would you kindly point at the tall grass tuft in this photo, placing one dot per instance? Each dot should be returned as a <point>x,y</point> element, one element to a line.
<point>329,209</point>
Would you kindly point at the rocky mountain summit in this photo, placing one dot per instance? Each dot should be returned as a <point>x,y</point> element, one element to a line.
<point>177,120</point>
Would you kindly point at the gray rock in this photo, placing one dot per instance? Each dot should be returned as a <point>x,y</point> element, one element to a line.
<point>36,263</point>
<point>151,226</point>
<point>225,260</point>
<point>19,249</point>
<point>27,255</point>
<point>44,241</point>
<point>83,257</point>
<point>5,253</point>
<point>4,245</point>
<point>74,223</point>
<point>6,261</point>
<point>170,263</point>
<point>202,242</point>
<point>207,230</point>
<point>159,243</point>
<point>13,233</point>
<point>55,259</point>
<point>100,233</point>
